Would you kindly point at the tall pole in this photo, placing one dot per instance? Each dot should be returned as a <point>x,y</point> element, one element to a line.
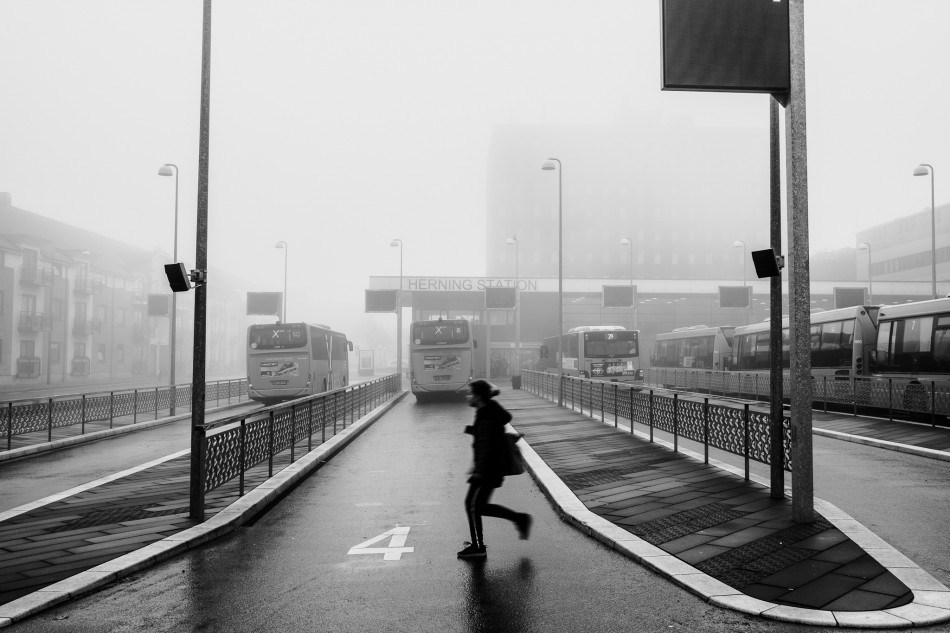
<point>514,240</point>
<point>283,311</point>
<point>173,319</point>
<point>776,410</point>
<point>920,171</point>
<point>560,276</point>
<point>867,247</point>
<point>799,281</point>
<point>398,242</point>
<point>196,487</point>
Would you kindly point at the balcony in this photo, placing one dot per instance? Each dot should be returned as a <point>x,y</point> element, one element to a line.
<point>35,322</point>
<point>36,276</point>
<point>28,367</point>
<point>87,327</point>
<point>80,366</point>
<point>86,286</point>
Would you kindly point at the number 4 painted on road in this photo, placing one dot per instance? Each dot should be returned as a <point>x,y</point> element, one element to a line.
<point>396,549</point>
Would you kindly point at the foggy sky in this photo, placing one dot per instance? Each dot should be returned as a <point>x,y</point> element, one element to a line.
<point>337,126</point>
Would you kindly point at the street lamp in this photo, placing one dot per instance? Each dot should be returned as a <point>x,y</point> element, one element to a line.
<point>549,165</point>
<point>924,169</point>
<point>398,242</point>
<point>283,313</point>
<point>633,302</point>
<point>513,240</point>
<point>861,247</point>
<point>737,244</point>
<point>166,170</point>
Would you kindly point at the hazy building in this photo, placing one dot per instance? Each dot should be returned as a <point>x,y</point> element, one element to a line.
<point>75,308</point>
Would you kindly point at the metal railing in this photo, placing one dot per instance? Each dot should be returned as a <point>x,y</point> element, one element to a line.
<point>232,446</point>
<point>126,406</point>
<point>924,400</point>
<point>738,429</point>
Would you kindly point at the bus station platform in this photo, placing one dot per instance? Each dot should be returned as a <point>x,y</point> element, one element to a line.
<point>701,526</point>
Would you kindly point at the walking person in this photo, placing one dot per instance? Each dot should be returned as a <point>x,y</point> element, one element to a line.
<point>492,459</point>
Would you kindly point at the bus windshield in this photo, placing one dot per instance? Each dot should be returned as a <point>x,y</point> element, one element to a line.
<point>610,344</point>
<point>281,336</point>
<point>437,333</point>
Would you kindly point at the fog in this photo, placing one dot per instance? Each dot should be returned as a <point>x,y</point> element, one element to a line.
<point>339,126</point>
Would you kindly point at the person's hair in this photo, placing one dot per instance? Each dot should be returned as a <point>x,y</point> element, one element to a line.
<point>483,389</point>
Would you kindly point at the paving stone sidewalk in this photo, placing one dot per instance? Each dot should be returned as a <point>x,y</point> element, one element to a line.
<point>710,518</point>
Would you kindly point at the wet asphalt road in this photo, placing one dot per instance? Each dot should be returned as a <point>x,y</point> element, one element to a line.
<point>293,569</point>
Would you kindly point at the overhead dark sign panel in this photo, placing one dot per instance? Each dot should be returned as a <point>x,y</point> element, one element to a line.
<point>381,300</point>
<point>500,298</point>
<point>267,303</point>
<point>735,296</point>
<point>850,297</point>
<point>618,296</point>
<point>725,45</point>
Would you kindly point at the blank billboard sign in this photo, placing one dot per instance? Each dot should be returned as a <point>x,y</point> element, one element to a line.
<point>848,297</point>
<point>734,296</point>
<point>268,303</point>
<point>500,298</point>
<point>618,296</point>
<point>725,45</point>
<point>381,300</point>
<point>159,305</point>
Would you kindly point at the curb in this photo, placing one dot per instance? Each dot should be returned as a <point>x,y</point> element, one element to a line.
<point>930,453</point>
<point>931,603</point>
<point>45,447</point>
<point>228,519</point>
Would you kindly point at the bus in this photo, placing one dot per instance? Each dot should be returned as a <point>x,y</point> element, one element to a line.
<point>604,352</point>
<point>441,357</point>
<point>695,347</point>
<point>291,360</point>
<point>841,343</point>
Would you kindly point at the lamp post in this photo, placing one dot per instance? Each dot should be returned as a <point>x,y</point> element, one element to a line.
<point>924,169</point>
<point>283,311</point>
<point>166,170</point>
<point>398,242</point>
<point>737,244</point>
<point>633,300</point>
<point>549,165</point>
<point>861,247</point>
<point>513,240</point>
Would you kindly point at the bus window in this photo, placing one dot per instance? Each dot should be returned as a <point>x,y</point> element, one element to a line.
<point>320,346</point>
<point>912,342</point>
<point>338,349</point>
<point>882,349</point>
<point>941,359</point>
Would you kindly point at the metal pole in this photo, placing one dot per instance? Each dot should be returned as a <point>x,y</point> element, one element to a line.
<point>174,317</point>
<point>776,411</point>
<point>286,250</point>
<point>517,315</point>
<point>803,489</point>
<point>196,483</point>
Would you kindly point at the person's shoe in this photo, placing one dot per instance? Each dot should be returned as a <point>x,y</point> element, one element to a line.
<point>524,526</point>
<point>473,551</point>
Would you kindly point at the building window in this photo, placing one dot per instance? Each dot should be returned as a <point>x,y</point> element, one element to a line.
<point>27,349</point>
<point>101,353</point>
<point>55,351</point>
<point>120,353</point>
<point>101,314</point>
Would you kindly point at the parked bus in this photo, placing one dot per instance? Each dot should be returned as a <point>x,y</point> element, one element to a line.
<point>292,360</point>
<point>605,352</point>
<point>441,357</point>
<point>841,343</point>
<point>695,347</point>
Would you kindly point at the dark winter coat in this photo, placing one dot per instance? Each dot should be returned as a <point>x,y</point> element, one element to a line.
<point>490,446</point>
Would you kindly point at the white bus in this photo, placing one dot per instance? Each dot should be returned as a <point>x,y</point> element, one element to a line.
<point>441,357</point>
<point>292,360</point>
<point>695,347</point>
<point>604,352</point>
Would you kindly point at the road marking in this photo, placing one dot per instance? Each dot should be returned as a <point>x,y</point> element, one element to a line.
<point>396,549</point>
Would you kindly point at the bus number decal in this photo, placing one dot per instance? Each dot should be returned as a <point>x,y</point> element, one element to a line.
<point>395,550</point>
